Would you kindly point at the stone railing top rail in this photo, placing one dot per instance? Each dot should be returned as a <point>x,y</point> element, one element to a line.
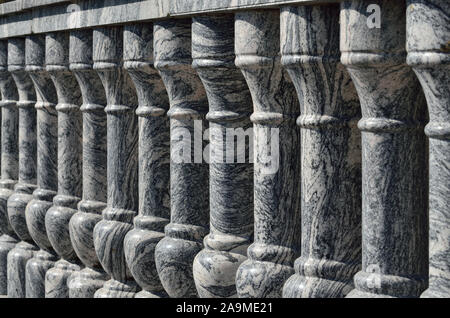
<point>22,17</point>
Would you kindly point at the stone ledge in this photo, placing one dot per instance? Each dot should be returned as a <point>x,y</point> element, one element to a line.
<point>22,17</point>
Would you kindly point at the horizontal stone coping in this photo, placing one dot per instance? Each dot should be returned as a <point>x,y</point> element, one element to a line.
<point>22,17</point>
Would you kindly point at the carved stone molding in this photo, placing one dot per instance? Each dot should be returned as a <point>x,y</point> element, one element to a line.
<point>189,177</point>
<point>394,156</point>
<point>26,184</point>
<point>122,163</point>
<point>428,32</point>
<point>231,181</point>
<point>81,225</point>
<point>47,180</point>
<point>331,154</point>
<point>277,156</point>
<point>9,160</point>
<point>154,160</point>
<point>69,164</point>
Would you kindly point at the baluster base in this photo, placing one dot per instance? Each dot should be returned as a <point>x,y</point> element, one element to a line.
<point>17,260</point>
<point>174,259</point>
<point>319,278</point>
<point>35,273</point>
<point>376,285</point>
<point>7,243</point>
<point>215,271</point>
<point>57,279</point>
<point>115,289</point>
<point>85,283</point>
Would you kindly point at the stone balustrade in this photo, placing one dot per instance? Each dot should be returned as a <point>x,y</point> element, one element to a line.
<point>250,148</point>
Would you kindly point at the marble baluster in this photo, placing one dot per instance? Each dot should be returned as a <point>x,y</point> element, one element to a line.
<point>189,199</point>
<point>154,160</point>
<point>427,40</point>
<point>394,152</point>
<point>81,225</point>
<point>122,163</point>
<point>47,180</point>
<point>9,160</point>
<point>231,174</point>
<point>277,156</point>
<point>17,202</point>
<point>69,165</point>
<point>331,154</point>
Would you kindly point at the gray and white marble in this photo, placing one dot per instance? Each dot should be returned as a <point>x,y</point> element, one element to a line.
<point>277,156</point>
<point>69,165</point>
<point>331,154</point>
<point>47,180</point>
<point>427,43</point>
<point>189,198</point>
<point>26,184</point>
<point>9,160</point>
<point>230,183</point>
<point>394,152</point>
<point>122,163</point>
<point>154,160</point>
<point>85,283</point>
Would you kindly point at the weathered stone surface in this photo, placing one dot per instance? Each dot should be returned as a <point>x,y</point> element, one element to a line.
<point>69,165</point>
<point>81,226</point>
<point>230,173</point>
<point>26,184</point>
<point>122,163</point>
<point>427,43</point>
<point>47,180</point>
<point>9,160</point>
<point>331,154</point>
<point>394,156</point>
<point>277,156</point>
<point>154,160</point>
<point>189,175</point>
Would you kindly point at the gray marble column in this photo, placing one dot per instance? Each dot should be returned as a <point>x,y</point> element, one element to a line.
<point>230,173</point>
<point>331,154</point>
<point>428,36</point>
<point>69,165</point>
<point>81,225</point>
<point>277,156</point>
<point>394,152</point>
<point>154,160</point>
<point>189,199</point>
<point>47,180</point>
<point>9,160</point>
<point>26,184</point>
<point>122,163</point>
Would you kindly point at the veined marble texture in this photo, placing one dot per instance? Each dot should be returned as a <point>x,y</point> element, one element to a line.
<point>189,179</point>
<point>230,183</point>
<point>69,165</point>
<point>122,163</point>
<point>154,160</point>
<point>277,156</point>
<point>427,40</point>
<point>394,153</point>
<point>47,180</point>
<point>17,202</point>
<point>85,283</point>
<point>9,160</point>
<point>331,153</point>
